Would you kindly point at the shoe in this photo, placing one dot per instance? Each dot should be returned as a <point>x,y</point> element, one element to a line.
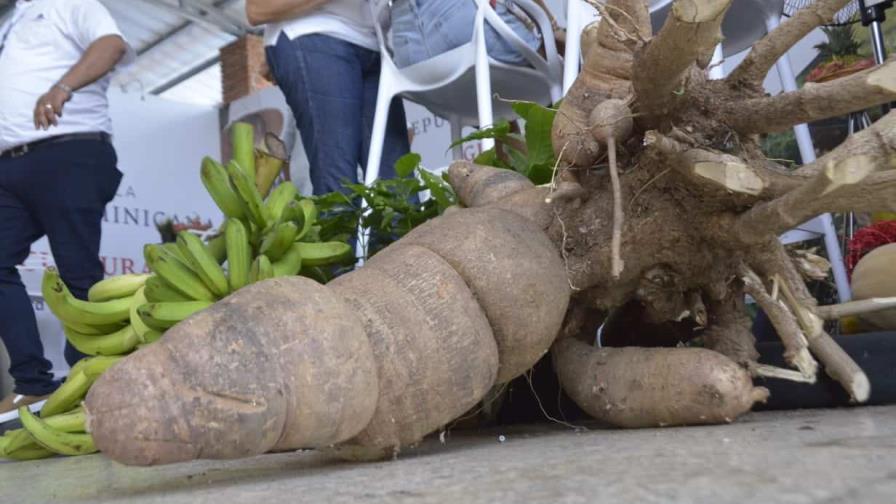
<point>9,406</point>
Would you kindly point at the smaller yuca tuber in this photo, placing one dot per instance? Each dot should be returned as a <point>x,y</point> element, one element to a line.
<point>654,387</point>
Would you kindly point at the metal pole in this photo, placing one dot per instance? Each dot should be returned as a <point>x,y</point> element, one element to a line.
<point>807,153</point>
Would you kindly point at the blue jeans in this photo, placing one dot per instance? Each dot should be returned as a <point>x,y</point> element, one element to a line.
<point>331,86</point>
<point>59,190</point>
<point>422,29</point>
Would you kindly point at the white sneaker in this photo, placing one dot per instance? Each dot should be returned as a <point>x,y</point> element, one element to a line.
<point>11,404</point>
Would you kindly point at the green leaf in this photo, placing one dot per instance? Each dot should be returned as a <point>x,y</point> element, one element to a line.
<point>539,122</point>
<point>438,189</point>
<point>487,158</point>
<point>540,173</point>
<point>406,164</point>
<point>497,131</point>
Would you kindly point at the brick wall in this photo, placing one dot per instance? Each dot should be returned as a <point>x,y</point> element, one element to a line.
<point>243,68</point>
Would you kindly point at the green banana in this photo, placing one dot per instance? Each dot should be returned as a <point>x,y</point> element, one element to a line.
<point>203,263</point>
<point>217,183</point>
<point>279,198</point>
<point>93,367</point>
<point>172,250</point>
<point>248,193</point>
<point>309,209</point>
<point>18,444</point>
<point>217,248</point>
<point>71,310</point>
<point>291,262</point>
<point>239,254</point>
<point>161,316</point>
<point>152,336</point>
<point>94,330</point>
<point>278,240</point>
<point>322,254</point>
<point>176,273</point>
<point>72,421</point>
<point>137,323</point>
<point>312,236</point>
<point>262,269</point>
<point>15,439</point>
<point>68,395</point>
<point>116,287</point>
<point>117,343</point>
<point>242,140</point>
<point>294,213</point>
<point>157,290</point>
<point>65,443</point>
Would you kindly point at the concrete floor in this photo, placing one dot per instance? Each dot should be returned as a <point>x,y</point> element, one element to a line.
<point>820,456</point>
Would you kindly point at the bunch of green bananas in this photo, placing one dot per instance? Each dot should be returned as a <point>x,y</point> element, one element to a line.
<point>262,238</point>
<point>61,426</point>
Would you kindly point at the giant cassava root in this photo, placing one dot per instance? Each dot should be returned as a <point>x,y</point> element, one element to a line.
<point>371,362</point>
<point>386,354</point>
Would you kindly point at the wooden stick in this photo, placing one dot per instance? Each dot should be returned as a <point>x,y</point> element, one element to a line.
<point>813,101</point>
<point>766,371</point>
<point>837,363</point>
<point>776,265</point>
<point>833,312</point>
<point>795,343</point>
<point>770,48</point>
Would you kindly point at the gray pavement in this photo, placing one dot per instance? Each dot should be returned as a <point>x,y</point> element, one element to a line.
<point>819,456</point>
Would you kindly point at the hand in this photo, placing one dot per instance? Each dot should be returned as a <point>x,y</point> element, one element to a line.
<point>49,107</point>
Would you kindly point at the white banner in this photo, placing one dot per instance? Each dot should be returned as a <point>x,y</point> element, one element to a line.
<point>160,144</point>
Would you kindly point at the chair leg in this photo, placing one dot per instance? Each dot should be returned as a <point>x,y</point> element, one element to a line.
<point>484,90</point>
<point>835,255</point>
<point>457,152</point>
<point>572,56</point>
<point>378,135</point>
<point>374,156</point>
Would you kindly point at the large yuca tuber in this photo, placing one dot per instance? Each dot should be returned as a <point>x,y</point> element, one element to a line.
<point>650,387</point>
<point>372,362</point>
<point>391,352</point>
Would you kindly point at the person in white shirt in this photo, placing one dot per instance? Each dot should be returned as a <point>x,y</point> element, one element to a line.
<point>57,166</point>
<point>325,58</point>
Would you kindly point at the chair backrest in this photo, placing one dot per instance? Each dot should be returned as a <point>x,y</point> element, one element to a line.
<point>550,64</point>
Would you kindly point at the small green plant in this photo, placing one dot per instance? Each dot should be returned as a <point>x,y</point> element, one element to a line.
<point>393,205</point>
<point>531,153</point>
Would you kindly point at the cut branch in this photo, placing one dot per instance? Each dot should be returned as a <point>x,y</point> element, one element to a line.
<point>795,343</point>
<point>769,49</point>
<point>877,142</point>
<point>690,34</point>
<point>719,171</point>
<point>837,363</point>
<point>766,371</point>
<point>827,189</point>
<point>833,312</point>
<point>814,101</point>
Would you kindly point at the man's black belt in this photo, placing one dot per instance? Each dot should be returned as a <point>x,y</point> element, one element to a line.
<point>21,150</point>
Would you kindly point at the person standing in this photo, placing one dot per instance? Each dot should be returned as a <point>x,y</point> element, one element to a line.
<point>57,165</point>
<point>324,56</point>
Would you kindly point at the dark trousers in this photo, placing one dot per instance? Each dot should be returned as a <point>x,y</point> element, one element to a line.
<point>59,190</point>
<point>331,86</point>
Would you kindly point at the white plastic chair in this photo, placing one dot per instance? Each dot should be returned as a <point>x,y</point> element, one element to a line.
<point>446,83</point>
